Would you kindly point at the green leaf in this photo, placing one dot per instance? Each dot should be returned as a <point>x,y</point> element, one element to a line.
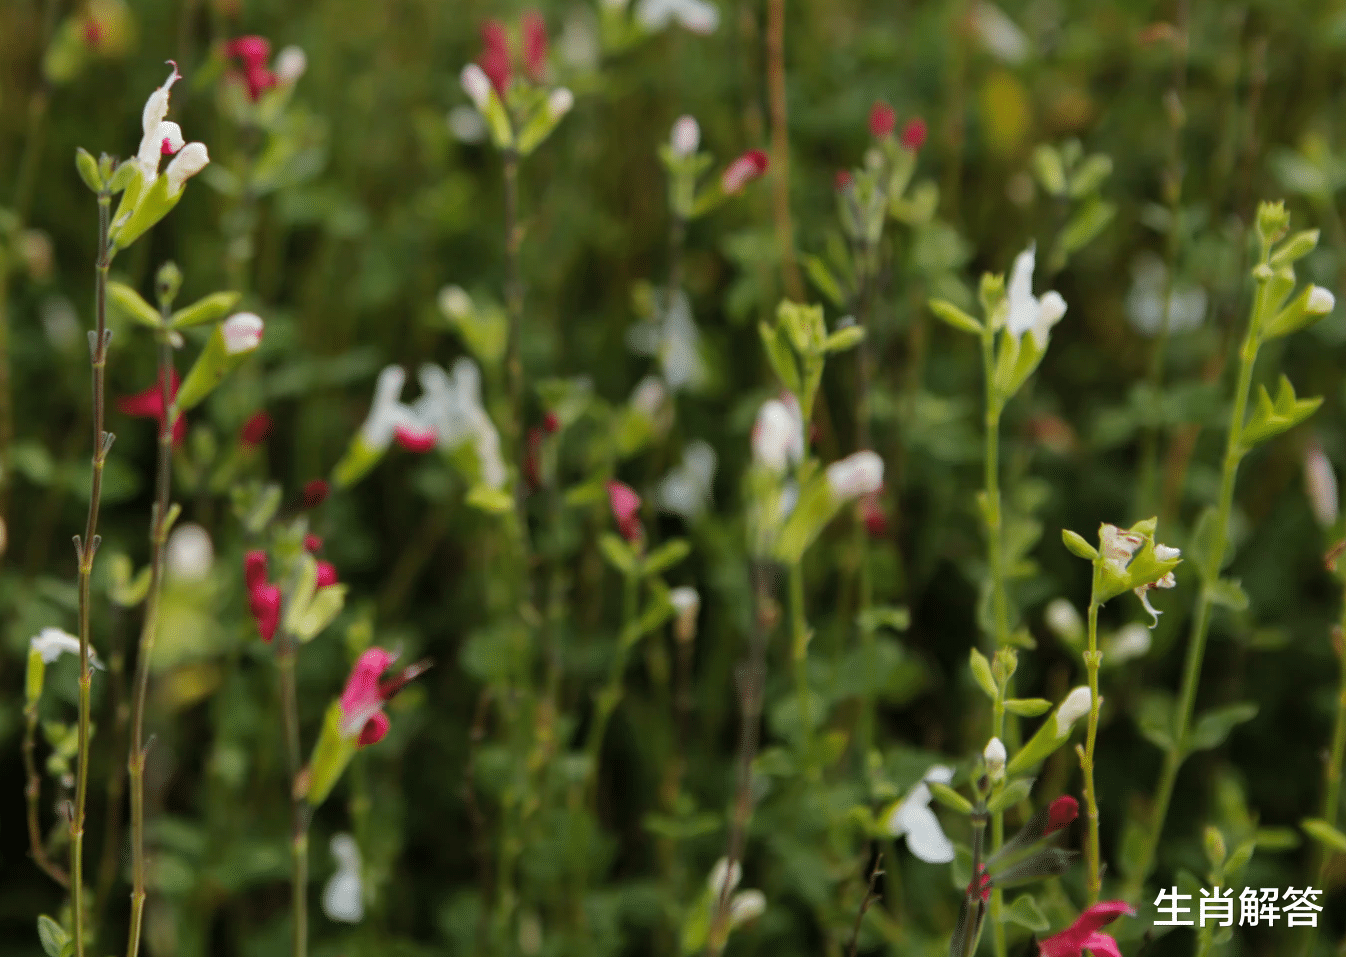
<point>1049,169</point>
<point>847,337</point>
<point>207,309</point>
<point>1229,593</point>
<point>321,611</point>
<point>825,281</point>
<point>1027,707</point>
<point>1154,717</point>
<point>1013,793</point>
<point>1272,418</point>
<point>1325,834</point>
<point>955,317</point>
<point>1026,913</point>
<point>780,356</point>
<point>1078,546</point>
<point>1089,175</point>
<point>129,304</point>
<point>1214,726</point>
<point>1202,542</point>
<point>666,556</point>
<point>949,797</point>
<point>981,673</point>
<point>883,616</point>
<point>1081,229</point>
<point>494,501</point>
<point>51,934</point>
<point>617,552</point>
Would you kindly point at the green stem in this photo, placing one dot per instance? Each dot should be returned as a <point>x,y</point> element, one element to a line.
<point>995,564</point>
<point>86,548</point>
<point>799,644</point>
<point>612,691</point>
<point>32,792</point>
<point>289,707</point>
<point>135,762</point>
<point>998,834</point>
<point>1196,646</point>
<point>1092,661</point>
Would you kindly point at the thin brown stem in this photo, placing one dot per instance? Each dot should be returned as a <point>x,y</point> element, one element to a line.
<point>32,792</point>
<point>780,148</point>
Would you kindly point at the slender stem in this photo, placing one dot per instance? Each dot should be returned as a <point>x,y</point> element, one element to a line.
<point>998,835</point>
<point>780,148</point>
<point>32,792</point>
<point>159,522</point>
<point>1196,646</point>
<point>799,646</point>
<point>86,548</point>
<point>994,557</point>
<point>1092,660</point>
<point>513,361</point>
<point>286,653</point>
<point>612,691</point>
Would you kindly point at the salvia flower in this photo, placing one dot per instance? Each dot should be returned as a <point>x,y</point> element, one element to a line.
<point>159,136</point>
<point>264,598</point>
<point>912,817</point>
<point>451,407</point>
<point>744,906</point>
<point>1320,484</point>
<point>1085,935</point>
<point>253,52</point>
<point>362,700</point>
<point>882,120</point>
<point>477,86</point>
<point>343,898</point>
<point>312,543</point>
<point>742,171</point>
<point>1118,546</point>
<point>494,58</point>
<point>1075,706</point>
<point>534,31</point>
<point>1131,641</point>
<point>1064,620</point>
<point>686,136</point>
<point>1028,313</point>
<point>327,573</point>
<point>778,434</point>
<point>625,504</point>
<point>51,643</point>
<point>686,490</point>
<point>291,64</point>
<point>150,405</point>
<point>242,333</point>
<point>255,430</point>
<point>191,159</point>
<point>315,492</point>
<point>697,16</point>
<point>1143,592</point>
<point>873,515</point>
<point>860,473</point>
<point>1061,813</point>
<point>913,134</point>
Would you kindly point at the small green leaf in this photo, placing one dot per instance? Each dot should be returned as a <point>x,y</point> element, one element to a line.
<point>88,171</point>
<point>955,317</point>
<point>847,337</point>
<point>1325,834</point>
<point>1154,717</point>
<point>1078,546</point>
<point>1027,707</point>
<point>1229,593</point>
<point>494,501</point>
<point>666,556</point>
<point>883,616</point>
<point>1013,793</point>
<point>51,934</point>
<point>779,355</point>
<point>129,304</point>
<point>824,279</point>
<point>617,552</point>
<point>1026,913</point>
<point>207,309</point>
<point>1049,170</point>
<point>1089,175</point>
<point>981,672</point>
<point>949,797</point>
<point>1214,726</point>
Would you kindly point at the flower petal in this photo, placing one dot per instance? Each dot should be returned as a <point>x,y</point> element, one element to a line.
<point>925,837</point>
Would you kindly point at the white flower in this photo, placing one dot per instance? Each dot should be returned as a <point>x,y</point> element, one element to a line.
<point>745,906</point>
<point>559,102</point>
<point>1117,546</point>
<point>686,136</point>
<point>477,85</point>
<point>1320,484</point>
<point>1320,301</point>
<point>685,600</point>
<point>466,125</point>
<point>1131,642</point>
<point>454,302</point>
<point>722,874</point>
<point>1064,620</point>
<point>191,159</point>
<point>995,758</point>
<point>451,405</point>
<point>686,489</point>
<point>190,553</point>
<point>1027,313</point>
<point>859,473</point>
<point>386,412</point>
<point>649,397</point>
<point>343,897</point>
<point>242,332</point>
<point>1145,299</point>
<point>1168,581</point>
<point>578,44</point>
<point>1075,706</point>
<point>158,136</point>
<point>999,34</point>
<point>697,16</point>
<point>913,817</point>
<point>1165,553</point>
<point>778,435</point>
<point>51,643</point>
<point>671,336</point>
<point>291,63</point>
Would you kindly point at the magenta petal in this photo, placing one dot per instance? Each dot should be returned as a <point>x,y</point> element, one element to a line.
<point>374,730</point>
<point>361,700</point>
<point>1101,945</point>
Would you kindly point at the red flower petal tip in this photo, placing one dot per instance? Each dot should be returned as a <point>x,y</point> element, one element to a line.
<point>913,134</point>
<point>315,493</point>
<point>882,119</point>
<point>1063,811</point>
<point>418,440</point>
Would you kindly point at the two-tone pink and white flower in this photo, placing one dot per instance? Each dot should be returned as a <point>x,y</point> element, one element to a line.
<point>858,474</point>
<point>390,419</point>
<point>242,333</point>
<point>362,699</point>
<point>161,137</point>
<point>778,434</point>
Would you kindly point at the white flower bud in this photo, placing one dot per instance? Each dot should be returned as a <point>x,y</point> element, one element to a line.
<point>242,333</point>
<point>559,102</point>
<point>1131,642</point>
<point>686,136</point>
<point>343,897</point>
<point>721,875</point>
<point>649,396</point>
<point>773,437</point>
<point>454,302</point>
<point>291,64</point>
<point>1166,554</point>
<point>995,757</point>
<point>191,159</point>
<point>857,474</point>
<point>190,553</point>
<point>51,643</point>
<point>746,906</point>
<point>1064,620</point>
<point>477,85</point>
<point>685,599</point>
<point>1075,706</point>
<point>1320,484</point>
<point>1320,301</point>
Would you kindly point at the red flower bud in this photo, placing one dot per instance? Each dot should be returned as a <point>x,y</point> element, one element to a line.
<point>882,119</point>
<point>494,59</point>
<point>534,45</point>
<point>551,423</point>
<point>327,574</point>
<point>254,568</point>
<point>743,171</point>
<point>264,602</point>
<point>315,493</point>
<point>1063,810</point>
<point>252,50</point>
<point>92,34</point>
<point>625,505</point>
<point>255,430</point>
<point>374,730</point>
<point>312,542</point>
<point>150,405</point>
<point>913,134</point>
<point>871,511</point>
<point>844,180</point>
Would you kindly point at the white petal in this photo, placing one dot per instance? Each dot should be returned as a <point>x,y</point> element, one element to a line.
<point>745,906</point>
<point>1075,706</point>
<point>1320,301</point>
<point>343,898</point>
<point>190,553</point>
<point>686,136</point>
<point>925,837</point>
<point>291,63</point>
<point>242,332</point>
<point>859,473</point>
<point>1023,307</point>
<point>384,416</point>
<point>191,159</point>
<point>940,774</point>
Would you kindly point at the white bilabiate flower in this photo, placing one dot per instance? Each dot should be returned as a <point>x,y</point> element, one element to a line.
<point>51,643</point>
<point>291,63</point>
<point>159,136</point>
<point>912,816</point>
<point>686,136</point>
<point>995,758</point>
<point>778,435</point>
<point>452,406</point>
<point>1320,301</point>
<point>1166,553</point>
<point>1168,581</point>
<point>686,489</point>
<point>697,16</point>
<point>1145,299</point>
<point>859,473</point>
<point>1075,706</point>
<point>190,553</point>
<point>721,875</point>
<point>559,102</point>
<point>477,85</point>
<point>1064,620</point>
<point>745,905</point>
<point>242,332</point>
<point>343,899</point>
<point>1131,642</point>
<point>1027,313</point>
<point>1118,545</point>
<point>466,124</point>
<point>1320,484</point>
<point>191,159</point>
<point>454,302</point>
<point>671,336</point>
<point>386,412</point>
<point>999,34</point>
<point>649,397</point>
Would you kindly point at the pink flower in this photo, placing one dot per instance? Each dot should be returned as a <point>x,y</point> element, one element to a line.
<point>882,119</point>
<point>255,430</point>
<point>743,171</point>
<point>495,59</point>
<point>327,574</point>
<point>150,405</point>
<point>250,49</point>
<point>1062,811</point>
<point>913,134</point>
<point>1084,934</point>
<point>263,598</point>
<point>312,542</point>
<point>414,438</point>
<point>843,180</point>
<point>362,700</point>
<point>254,568</point>
<point>626,509</point>
<point>534,45</point>
<point>315,493</point>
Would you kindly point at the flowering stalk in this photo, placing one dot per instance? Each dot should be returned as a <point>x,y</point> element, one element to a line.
<point>1092,660</point>
<point>991,457</point>
<point>1273,314</point>
<point>780,146</point>
<point>160,521</point>
<point>86,548</point>
<point>612,691</point>
<point>286,649</point>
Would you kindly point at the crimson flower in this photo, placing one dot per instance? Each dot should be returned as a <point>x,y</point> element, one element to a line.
<point>312,542</point>
<point>1062,811</point>
<point>551,423</point>
<point>873,515</point>
<point>150,405</point>
<point>913,134</point>
<point>1084,933</point>
<point>255,430</point>
<point>263,597</point>
<point>327,574</point>
<point>843,180</point>
<point>416,438</point>
<point>882,119</point>
<point>626,510</point>
<point>362,700</point>
<point>253,51</point>
<point>534,45</point>
<point>743,171</point>
<point>495,59</point>
<point>315,493</point>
